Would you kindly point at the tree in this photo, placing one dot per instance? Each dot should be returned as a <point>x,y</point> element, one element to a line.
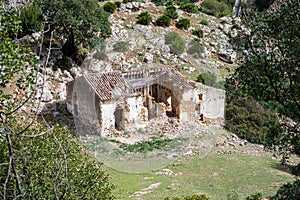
<point>37,161</point>
<point>82,23</point>
<point>269,71</point>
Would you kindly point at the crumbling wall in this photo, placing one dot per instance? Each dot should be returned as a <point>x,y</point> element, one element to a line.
<point>134,111</point>
<point>107,118</point>
<point>85,107</point>
<point>211,101</point>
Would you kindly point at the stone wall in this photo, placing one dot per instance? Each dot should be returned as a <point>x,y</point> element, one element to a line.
<point>211,101</point>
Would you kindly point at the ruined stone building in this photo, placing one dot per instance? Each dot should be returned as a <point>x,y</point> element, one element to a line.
<point>105,102</point>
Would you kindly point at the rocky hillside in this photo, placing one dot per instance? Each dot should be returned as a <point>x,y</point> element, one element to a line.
<point>136,46</point>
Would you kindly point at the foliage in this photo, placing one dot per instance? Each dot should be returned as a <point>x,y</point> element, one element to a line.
<point>198,33</point>
<point>255,196</point>
<point>146,146</point>
<point>54,165</point>
<point>251,121</point>
<point>183,23</point>
<point>207,78</point>
<point>204,21</point>
<point>263,4</point>
<point>196,49</point>
<point>37,162</point>
<point>118,4</point>
<point>289,191</point>
<point>17,63</point>
<point>193,197</point>
<point>189,7</point>
<point>269,71</point>
<point>171,12</point>
<point>82,22</point>
<point>121,46</point>
<point>216,8</point>
<point>110,7</point>
<point>159,2</point>
<point>163,21</point>
<point>32,19</point>
<point>171,36</point>
<point>175,42</point>
<point>63,63</point>
<point>144,18</point>
<point>99,55</point>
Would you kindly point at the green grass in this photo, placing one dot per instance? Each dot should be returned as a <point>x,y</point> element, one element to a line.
<point>216,176</point>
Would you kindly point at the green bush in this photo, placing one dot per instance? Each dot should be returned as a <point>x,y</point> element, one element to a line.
<point>216,8</point>
<point>198,33</point>
<point>63,63</point>
<point>99,55</point>
<point>289,191</point>
<point>53,165</point>
<point>189,7</point>
<point>175,42</point>
<point>121,46</point>
<point>159,2</point>
<point>263,4</point>
<point>196,49</point>
<point>204,21</point>
<point>144,18</point>
<point>183,24</point>
<point>31,19</point>
<point>250,120</point>
<point>110,7</point>
<point>163,21</point>
<point>177,47</point>
<point>171,36</point>
<point>207,78</point>
<point>171,12</point>
<point>118,4</point>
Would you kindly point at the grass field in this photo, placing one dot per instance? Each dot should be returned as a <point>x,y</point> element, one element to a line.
<point>216,176</point>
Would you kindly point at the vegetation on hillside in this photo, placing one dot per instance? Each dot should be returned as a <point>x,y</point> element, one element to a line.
<point>37,161</point>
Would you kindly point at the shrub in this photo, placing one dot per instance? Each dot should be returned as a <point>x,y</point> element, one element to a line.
<point>216,8</point>
<point>177,46</point>
<point>198,33</point>
<point>204,22</point>
<point>289,191</point>
<point>121,46</point>
<point>263,4</point>
<point>207,78</point>
<point>99,55</point>
<point>171,36</point>
<point>183,24</point>
<point>63,63</point>
<point>159,2</point>
<point>163,21</point>
<point>196,49</point>
<point>171,12</point>
<point>250,120</point>
<point>31,19</point>
<point>189,7</point>
<point>144,18</point>
<point>110,7</point>
<point>118,4</point>
<point>175,42</point>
